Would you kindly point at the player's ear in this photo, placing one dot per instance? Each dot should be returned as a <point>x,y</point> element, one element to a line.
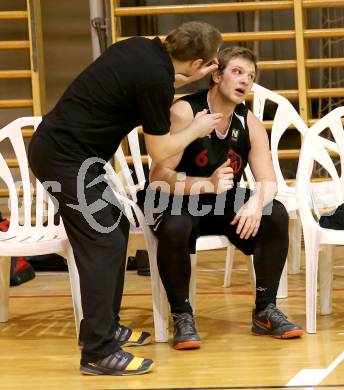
<point>216,76</point>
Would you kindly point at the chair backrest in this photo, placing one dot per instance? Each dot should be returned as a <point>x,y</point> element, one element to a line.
<point>126,174</point>
<point>125,185</point>
<point>315,147</point>
<point>123,182</point>
<point>285,116</point>
<point>41,205</point>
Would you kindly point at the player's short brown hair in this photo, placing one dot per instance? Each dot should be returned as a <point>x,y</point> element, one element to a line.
<point>227,54</point>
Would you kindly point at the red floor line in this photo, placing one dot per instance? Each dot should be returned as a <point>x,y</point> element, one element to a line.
<point>295,293</point>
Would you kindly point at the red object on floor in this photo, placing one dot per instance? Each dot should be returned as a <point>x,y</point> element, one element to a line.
<point>21,264</point>
<point>21,269</point>
<point>4,224</point>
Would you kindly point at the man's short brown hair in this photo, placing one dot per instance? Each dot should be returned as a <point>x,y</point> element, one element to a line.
<point>193,40</point>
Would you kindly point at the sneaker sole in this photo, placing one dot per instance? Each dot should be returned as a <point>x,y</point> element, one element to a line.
<point>188,345</point>
<point>95,371</point>
<point>292,334</point>
<point>135,344</point>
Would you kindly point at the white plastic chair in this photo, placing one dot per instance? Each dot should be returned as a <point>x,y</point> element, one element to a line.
<point>23,238</point>
<point>125,188</point>
<point>316,148</point>
<point>286,116</point>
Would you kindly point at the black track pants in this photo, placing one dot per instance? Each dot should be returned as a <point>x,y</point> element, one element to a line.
<point>99,250</point>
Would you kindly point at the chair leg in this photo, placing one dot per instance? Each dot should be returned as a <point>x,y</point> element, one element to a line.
<point>311,253</point>
<point>160,311</point>
<point>159,298</point>
<point>5,266</point>
<point>75,288</point>
<point>229,266</point>
<point>282,291</point>
<point>294,252</point>
<point>325,279</point>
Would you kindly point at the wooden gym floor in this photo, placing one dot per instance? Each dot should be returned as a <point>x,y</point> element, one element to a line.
<point>38,348</point>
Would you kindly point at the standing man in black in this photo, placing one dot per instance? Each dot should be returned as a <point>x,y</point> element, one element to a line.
<point>130,84</point>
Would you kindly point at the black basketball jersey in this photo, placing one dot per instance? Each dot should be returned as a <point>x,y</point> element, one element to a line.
<point>206,154</point>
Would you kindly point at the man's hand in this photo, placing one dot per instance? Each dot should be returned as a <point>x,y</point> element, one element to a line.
<point>205,123</point>
<point>222,178</point>
<point>181,80</point>
<point>248,218</point>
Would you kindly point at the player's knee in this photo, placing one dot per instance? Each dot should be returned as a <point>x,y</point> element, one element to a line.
<point>176,228</point>
<point>279,215</point>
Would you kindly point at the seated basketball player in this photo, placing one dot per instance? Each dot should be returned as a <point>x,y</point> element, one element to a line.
<point>212,166</point>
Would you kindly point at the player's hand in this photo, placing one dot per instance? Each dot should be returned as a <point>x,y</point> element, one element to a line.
<point>180,79</point>
<point>248,218</point>
<point>205,123</point>
<point>222,178</point>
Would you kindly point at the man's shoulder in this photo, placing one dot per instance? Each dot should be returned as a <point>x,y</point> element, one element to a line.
<point>136,40</point>
<point>138,50</point>
<point>199,96</point>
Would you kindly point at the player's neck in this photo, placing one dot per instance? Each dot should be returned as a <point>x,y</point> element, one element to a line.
<point>217,104</point>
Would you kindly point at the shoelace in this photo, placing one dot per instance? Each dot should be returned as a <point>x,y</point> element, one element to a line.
<point>276,315</point>
<point>121,333</point>
<point>185,323</point>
